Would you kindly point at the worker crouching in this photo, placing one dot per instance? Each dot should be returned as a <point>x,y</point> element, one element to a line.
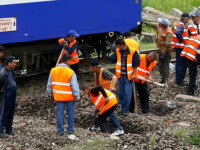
<point>105,101</point>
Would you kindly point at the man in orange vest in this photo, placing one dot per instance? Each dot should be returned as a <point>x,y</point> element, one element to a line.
<point>191,53</point>
<point>108,81</point>
<point>131,42</point>
<point>62,83</point>
<point>147,64</point>
<point>127,60</point>
<point>102,76</point>
<point>179,40</point>
<point>70,44</point>
<point>106,102</point>
<point>194,29</point>
<point>163,43</point>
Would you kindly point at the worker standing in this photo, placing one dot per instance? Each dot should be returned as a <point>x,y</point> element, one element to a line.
<point>70,44</point>
<point>62,83</point>
<point>163,42</point>
<point>147,64</point>
<point>7,96</point>
<point>179,40</point>
<point>108,81</point>
<point>1,55</point>
<point>127,60</point>
<point>131,42</point>
<point>194,29</point>
<point>191,53</point>
<point>105,101</point>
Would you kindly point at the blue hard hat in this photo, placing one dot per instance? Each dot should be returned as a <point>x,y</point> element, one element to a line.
<point>194,14</point>
<point>163,21</point>
<point>73,32</point>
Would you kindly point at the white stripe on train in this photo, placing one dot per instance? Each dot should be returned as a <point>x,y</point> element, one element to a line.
<point>11,2</point>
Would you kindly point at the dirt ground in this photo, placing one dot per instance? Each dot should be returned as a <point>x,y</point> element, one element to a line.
<point>35,124</point>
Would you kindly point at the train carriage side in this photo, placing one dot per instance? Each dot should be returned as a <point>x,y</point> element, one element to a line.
<point>30,28</point>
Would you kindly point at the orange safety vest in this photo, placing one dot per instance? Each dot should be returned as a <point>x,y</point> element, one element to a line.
<point>61,77</point>
<point>164,34</point>
<point>192,30</point>
<point>74,55</point>
<point>192,48</point>
<point>99,101</point>
<point>143,70</point>
<point>105,83</point>
<point>175,42</point>
<point>129,67</point>
<point>132,43</point>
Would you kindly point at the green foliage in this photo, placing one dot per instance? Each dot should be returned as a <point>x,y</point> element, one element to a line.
<point>191,135</point>
<point>92,145</point>
<point>152,141</point>
<point>148,29</point>
<point>167,5</point>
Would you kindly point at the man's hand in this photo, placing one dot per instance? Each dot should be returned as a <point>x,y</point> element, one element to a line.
<point>112,89</point>
<point>170,49</point>
<point>97,115</point>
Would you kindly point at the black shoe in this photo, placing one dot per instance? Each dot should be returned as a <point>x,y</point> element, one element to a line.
<point>184,83</point>
<point>190,93</point>
<point>10,132</point>
<point>3,135</point>
<point>163,81</point>
<point>123,113</point>
<point>60,134</point>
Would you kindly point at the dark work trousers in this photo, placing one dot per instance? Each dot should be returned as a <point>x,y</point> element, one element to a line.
<point>163,65</point>
<point>101,120</point>
<point>192,66</point>
<point>7,110</point>
<point>75,68</point>
<point>113,120</point>
<point>143,92</point>
<point>181,66</point>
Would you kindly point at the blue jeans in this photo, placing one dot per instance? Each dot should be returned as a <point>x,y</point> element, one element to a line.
<point>60,115</point>
<point>125,93</point>
<point>113,120</point>
<point>7,109</point>
<point>181,66</point>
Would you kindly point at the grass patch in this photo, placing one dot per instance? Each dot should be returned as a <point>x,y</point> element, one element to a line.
<point>147,45</point>
<point>92,145</point>
<point>152,142</point>
<point>190,135</point>
<point>148,29</point>
<point>167,5</point>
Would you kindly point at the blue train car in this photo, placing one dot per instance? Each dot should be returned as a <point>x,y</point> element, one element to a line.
<point>29,29</point>
<point>30,20</point>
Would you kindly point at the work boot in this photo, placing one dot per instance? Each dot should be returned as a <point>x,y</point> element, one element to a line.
<point>10,132</point>
<point>184,83</point>
<point>3,135</point>
<point>94,128</point>
<point>163,81</point>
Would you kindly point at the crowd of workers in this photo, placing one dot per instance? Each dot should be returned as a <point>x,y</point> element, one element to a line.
<point>132,68</point>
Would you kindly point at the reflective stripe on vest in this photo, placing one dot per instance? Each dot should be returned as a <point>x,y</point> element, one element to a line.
<point>74,55</point>
<point>129,67</point>
<point>105,83</point>
<point>175,42</point>
<point>61,77</point>
<point>100,100</point>
<point>164,34</point>
<point>143,71</point>
<point>192,49</point>
<point>192,30</point>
